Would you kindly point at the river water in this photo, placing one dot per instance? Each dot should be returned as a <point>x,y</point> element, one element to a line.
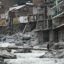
<point>32,58</point>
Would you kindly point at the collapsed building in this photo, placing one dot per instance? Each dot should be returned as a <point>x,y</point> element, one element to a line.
<point>49,26</point>
<point>41,17</point>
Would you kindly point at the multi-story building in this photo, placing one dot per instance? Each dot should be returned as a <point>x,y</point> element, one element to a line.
<point>44,23</point>
<point>57,15</point>
<point>25,12</point>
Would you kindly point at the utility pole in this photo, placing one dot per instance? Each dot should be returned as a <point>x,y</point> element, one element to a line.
<point>45,10</point>
<point>10,22</point>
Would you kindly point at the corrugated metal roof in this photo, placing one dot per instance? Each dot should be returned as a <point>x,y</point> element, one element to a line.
<point>16,8</point>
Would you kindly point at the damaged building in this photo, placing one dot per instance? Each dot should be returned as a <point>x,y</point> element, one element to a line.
<point>57,15</point>
<point>43,22</point>
<point>49,23</point>
<point>41,17</point>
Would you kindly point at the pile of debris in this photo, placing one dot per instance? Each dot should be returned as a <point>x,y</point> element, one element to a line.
<point>57,51</point>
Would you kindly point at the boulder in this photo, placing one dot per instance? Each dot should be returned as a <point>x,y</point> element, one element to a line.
<point>47,55</point>
<point>58,46</point>
<point>6,55</point>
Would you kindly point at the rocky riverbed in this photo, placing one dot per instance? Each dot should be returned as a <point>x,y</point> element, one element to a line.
<point>32,58</point>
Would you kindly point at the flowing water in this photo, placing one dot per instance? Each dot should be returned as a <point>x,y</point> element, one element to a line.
<point>32,58</point>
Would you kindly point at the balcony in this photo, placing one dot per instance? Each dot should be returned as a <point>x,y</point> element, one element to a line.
<point>47,24</point>
<point>36,17</point>
<point>32,18</point>
<point>59,1</point>
<point>39,26</point>
<point>57,10</point>
<point>51,3</point>
<point>43,25</point>
<point>58,22</point>
<point>40,17</point>
<point>55,2</point>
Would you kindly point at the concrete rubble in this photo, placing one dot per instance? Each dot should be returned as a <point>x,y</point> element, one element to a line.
<point>37,55</point>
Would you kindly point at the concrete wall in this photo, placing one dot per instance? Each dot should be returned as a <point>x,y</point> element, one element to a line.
<point>57,35</point>
<point>61,35</point>
<point>40,37</point>
<point>50,35</point>
<point>38,2</point>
